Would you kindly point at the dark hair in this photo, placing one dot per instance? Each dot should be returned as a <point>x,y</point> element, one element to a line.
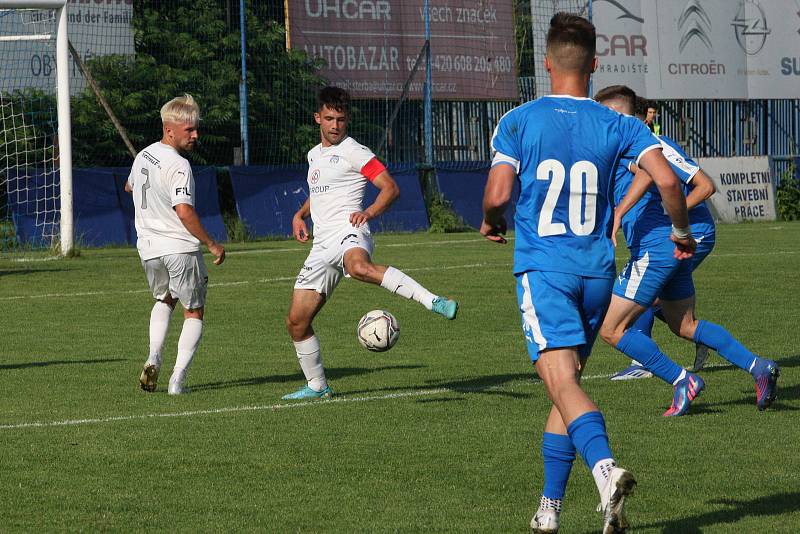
<point>641,106</point>
<point>618,92</point>
<point>334,98</point>
<point>571,42</point>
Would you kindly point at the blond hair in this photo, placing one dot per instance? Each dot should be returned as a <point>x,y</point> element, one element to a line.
<point>180,109</point>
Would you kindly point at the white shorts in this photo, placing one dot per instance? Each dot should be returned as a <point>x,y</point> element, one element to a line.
<point>183,276</point>
<point>324,267</point>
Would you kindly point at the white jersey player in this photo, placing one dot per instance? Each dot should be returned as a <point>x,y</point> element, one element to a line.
<point>338,171</point>
<point>169,234</point>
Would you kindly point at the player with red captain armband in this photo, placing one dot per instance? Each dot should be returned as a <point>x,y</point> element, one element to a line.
<point>338,171</point>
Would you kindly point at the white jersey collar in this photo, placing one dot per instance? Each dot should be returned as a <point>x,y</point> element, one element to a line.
<point>569,96</point>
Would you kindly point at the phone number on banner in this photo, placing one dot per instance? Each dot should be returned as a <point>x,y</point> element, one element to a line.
<point>466,63</point>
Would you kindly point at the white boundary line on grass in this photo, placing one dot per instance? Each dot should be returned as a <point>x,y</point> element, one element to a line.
<point>271,407</point>
<point>240,283</point>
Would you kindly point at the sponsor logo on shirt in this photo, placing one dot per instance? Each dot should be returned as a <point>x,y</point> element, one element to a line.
<point>182,190</point>
<point>319,189</point>
<point>315,176</point>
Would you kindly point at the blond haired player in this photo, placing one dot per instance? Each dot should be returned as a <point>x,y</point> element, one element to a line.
<point>339,169</point>
<point>169,234</point>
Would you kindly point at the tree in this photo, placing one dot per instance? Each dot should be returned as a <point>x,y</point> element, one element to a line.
<point>187,46</point>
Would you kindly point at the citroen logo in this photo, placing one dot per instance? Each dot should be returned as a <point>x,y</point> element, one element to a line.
<point>626,14</point>
<point>750,26</point>
<point>694,23</point>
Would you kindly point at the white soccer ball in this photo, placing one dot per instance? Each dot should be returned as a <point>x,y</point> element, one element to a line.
<point>378,330</point>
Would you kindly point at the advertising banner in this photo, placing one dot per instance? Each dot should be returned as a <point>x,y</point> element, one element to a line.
<point>96,28</point>
<point>369,47</point>
<point>744,188</point>
<point>737,49</point>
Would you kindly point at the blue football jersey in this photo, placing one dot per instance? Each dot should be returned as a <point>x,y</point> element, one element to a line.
<point>566,151</point>
<point>699,216</point>
<point>648,222</point>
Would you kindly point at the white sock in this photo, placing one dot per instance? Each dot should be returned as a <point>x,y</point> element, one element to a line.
<point>634,362</point>
<point>401,284</point>
<point>310,359</point>
<point>546,503</point>
<point>680,377</point>
<point>601,471</point>
<point>159,326</point>
<point>187,344</point>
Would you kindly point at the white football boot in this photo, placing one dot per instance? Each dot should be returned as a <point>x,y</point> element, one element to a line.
<point>177,383</point>
<point>545,522</point>
<point>620,484</point>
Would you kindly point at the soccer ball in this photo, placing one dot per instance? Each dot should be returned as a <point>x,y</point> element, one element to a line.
<point>378,330</point>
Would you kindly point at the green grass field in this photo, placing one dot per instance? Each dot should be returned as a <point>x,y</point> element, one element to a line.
<point>440,434</point>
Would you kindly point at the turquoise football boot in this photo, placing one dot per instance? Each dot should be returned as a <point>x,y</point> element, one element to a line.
<point>445,307</point>
<point>306,393</point>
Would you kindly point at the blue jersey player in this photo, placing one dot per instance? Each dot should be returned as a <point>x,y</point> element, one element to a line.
<point>564,149</point>
<point>654,273</point>
<point>697,186</point>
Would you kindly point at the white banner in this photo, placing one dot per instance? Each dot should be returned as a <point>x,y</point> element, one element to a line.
<point>96,28</point>
<point>744,188</point>
<point>742,49</point>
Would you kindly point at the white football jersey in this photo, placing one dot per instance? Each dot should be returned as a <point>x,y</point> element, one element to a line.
<point>336,185</point>
<point>161,179</point>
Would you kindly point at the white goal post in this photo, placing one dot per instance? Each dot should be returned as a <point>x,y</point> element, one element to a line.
<point>64,148</point>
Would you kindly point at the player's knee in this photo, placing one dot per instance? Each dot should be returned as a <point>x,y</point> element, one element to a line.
<point>560,385</point>
<point>687,329</point>
<point>296,325</point>
<point>361,270</point>
<point>610,334</point>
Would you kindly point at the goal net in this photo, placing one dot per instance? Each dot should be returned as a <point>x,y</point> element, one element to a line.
<point>541,13</point>
<point>35,159</point>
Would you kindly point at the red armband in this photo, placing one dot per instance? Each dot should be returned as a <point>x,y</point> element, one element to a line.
<point>372,169</point>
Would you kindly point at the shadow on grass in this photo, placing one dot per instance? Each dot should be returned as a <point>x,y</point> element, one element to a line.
<point>30,271</point>
<point>733,511</point>
<point>332,373</point>
<point>28,365</point>
<point>482,384</point>
<point>784,394</point>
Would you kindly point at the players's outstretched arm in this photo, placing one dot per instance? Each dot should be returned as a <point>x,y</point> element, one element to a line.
<point>299,228</point>
<point>702,188</point>
<point>389,193</point>
<point>673,199</point>
<point>191,221</point>
<point>496,197</point>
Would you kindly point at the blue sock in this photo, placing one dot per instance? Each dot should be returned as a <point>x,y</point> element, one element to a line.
<point>559,454</point>
<point>588,434</point>
<point>714,336</point>
<point>645,351</point>
<point>644,323</point>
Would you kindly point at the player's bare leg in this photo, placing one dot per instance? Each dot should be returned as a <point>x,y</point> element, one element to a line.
<point>617,332</point>
<point>306,303</point>
<point>159,326</point>
<point>358,264</point>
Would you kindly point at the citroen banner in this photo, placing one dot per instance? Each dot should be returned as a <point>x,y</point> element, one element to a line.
<point>742,49</point>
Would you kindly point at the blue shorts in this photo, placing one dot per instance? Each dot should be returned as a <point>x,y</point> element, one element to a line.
<point>705,244</point>
<point>561,310</point>
<point>653,272</point>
